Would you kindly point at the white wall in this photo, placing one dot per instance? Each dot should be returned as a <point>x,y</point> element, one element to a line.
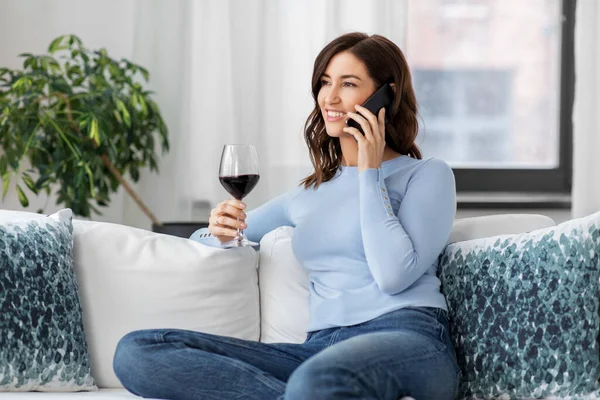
<point>30,26</point>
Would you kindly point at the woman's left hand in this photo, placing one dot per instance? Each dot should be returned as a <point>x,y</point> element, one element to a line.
<point>372,144</point>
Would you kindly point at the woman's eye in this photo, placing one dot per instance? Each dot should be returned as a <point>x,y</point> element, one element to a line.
<point>350,84</point>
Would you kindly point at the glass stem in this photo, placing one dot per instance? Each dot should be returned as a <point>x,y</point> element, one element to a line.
<point>240,234</point>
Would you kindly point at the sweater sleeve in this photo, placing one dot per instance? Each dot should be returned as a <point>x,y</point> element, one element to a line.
<point>259,221</point>
<point>401,247</point>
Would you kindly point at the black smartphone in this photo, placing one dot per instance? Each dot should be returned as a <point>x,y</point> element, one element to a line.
<point>383,97</point>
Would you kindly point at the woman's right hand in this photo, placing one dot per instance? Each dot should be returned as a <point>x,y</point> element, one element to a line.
<point>223,222</point>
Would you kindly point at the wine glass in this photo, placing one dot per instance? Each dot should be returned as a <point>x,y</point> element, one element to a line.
<point>239,175</point>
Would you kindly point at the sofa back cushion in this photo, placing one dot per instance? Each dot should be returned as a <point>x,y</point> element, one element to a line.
<point>133,279</point>
<point>500,224</point>
<point>284,284</point>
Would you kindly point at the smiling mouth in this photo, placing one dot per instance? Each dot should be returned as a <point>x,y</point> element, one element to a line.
<point>333,116</point>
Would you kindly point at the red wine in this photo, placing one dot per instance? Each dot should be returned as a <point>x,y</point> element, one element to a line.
<point>239,186</point>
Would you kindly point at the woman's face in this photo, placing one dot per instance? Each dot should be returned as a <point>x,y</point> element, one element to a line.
<point>344,84</point>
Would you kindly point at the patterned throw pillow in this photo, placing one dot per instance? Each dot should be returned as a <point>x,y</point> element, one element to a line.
<point>42,343</point>
<point>524,312</point>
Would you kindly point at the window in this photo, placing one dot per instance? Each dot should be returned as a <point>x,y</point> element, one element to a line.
<point>494,81</point>
<point>467,115</point>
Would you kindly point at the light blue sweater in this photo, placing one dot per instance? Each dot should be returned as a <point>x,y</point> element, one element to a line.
<point>369,241</point>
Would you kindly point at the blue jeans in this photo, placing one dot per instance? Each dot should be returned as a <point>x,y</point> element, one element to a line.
<point>406,352</point>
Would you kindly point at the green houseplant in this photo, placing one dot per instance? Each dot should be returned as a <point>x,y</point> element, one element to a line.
<point>79,121</point>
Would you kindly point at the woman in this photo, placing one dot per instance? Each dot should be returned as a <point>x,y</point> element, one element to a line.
<point>369,223</point>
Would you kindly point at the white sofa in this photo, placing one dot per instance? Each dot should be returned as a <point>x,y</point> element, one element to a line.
<point>133,279</point>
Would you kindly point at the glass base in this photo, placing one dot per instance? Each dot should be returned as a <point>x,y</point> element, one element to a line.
<point>240,241</point>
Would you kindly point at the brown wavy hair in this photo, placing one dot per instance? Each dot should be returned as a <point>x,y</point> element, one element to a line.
<point>385,64</point>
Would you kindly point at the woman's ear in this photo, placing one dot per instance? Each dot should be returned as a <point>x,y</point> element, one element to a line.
<point>393,85</point>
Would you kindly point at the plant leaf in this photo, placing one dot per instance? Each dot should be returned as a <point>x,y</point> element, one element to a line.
<point>126,117</point>
<point>3,166</point>
<point>144,105</point>
<point>55,44</point>
<point>29,182</point>
<point>94,134</point>
<point>145,74</point>
<point>117,116</point>
<point>64,137</point>
<point>91,176</point>
<point>22,197</point>
<point>5,184</point>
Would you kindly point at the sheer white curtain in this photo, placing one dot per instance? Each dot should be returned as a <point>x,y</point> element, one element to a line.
<point>237,71</point>
<point>586,118</point>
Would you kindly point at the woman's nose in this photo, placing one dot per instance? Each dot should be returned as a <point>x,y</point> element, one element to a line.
<point>332,96</point>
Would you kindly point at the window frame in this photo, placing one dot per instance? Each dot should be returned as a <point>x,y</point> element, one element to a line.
<point>555,181</point>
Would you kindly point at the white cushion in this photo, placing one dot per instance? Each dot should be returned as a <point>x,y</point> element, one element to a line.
<point>284,283</point>
<point>283,289</point>
<point>131,279</point>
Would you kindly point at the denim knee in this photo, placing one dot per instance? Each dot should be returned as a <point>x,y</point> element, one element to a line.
<point>129,362</point>
<point>322,380</point>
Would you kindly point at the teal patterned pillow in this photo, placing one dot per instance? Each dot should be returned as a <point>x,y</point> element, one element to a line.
<point>525,312</point>
<point>42,343</point>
